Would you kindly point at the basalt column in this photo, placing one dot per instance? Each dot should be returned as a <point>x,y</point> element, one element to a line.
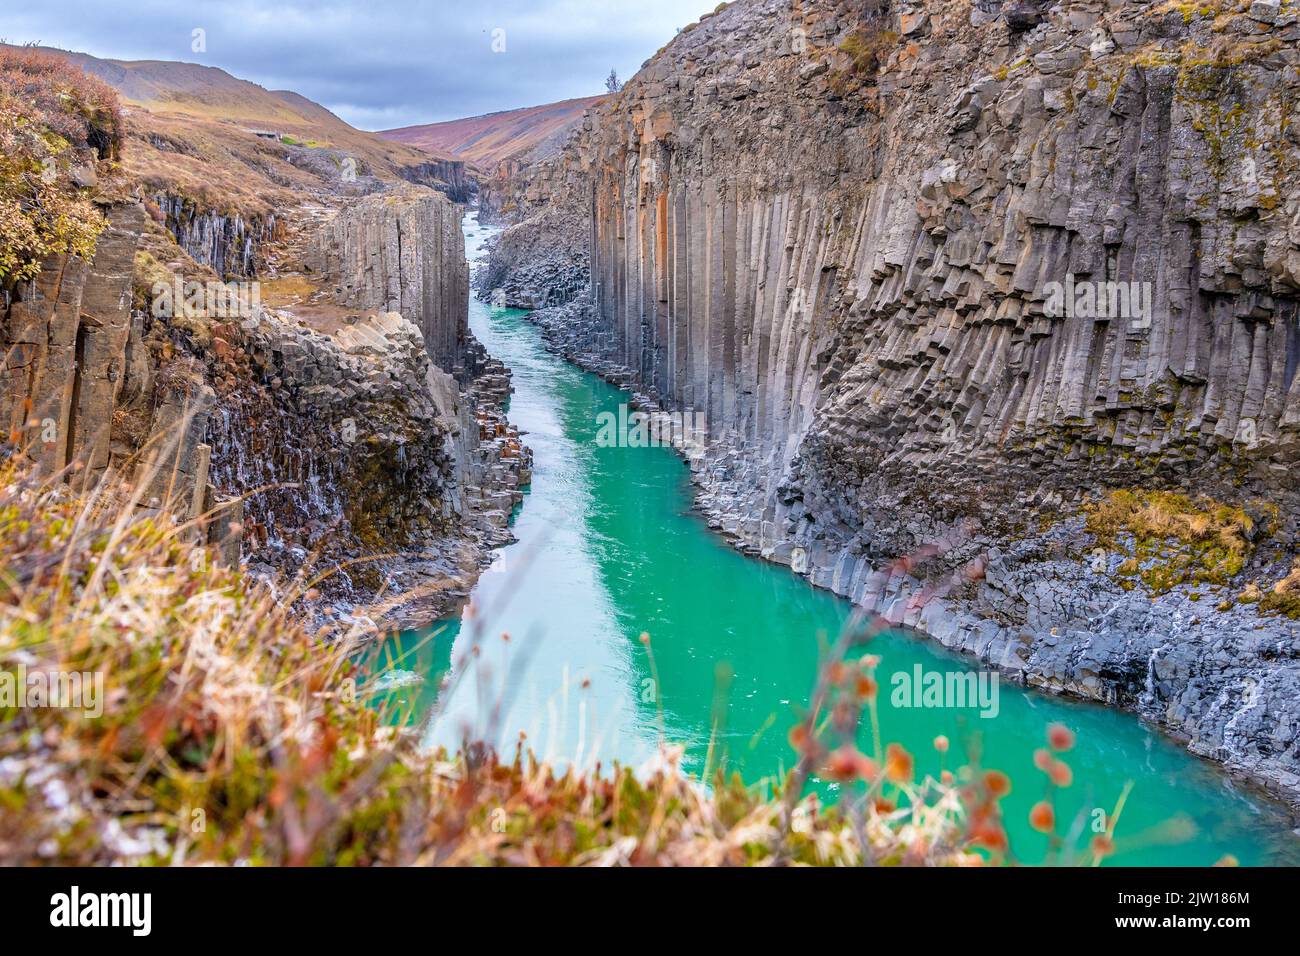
<point>63,349</point>
<point>715,297</point>
<point>402,252</point>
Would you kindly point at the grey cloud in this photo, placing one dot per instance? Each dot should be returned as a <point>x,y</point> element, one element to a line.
<point>378,63</point>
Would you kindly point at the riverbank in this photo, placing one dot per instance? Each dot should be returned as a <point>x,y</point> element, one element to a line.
<point>610,548</point>
<point>229,734</point>
<point>846,247</point>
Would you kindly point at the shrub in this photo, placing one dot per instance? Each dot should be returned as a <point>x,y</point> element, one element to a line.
<point>1173,539</point>
<point>868,49</point>
<point>48,111</point>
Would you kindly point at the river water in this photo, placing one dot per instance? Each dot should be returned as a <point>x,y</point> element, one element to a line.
<point>609,548</point>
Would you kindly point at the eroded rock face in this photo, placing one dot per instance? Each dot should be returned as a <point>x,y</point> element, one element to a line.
<point>63,342</point>
<point>349,447</point>
<point>445,175</point>
<point>542,256</point>
<point>376,457</point>
<point>401,251</point>
<point>225,243</point>
<point>75,367</point>
<point>380,450</point>
<point>537,263</point>
<point>846,236</point>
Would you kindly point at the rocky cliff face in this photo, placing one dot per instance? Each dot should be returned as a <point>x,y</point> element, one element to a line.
<point>377,450</point>
<point>62,347</point>
<point>345,428</point>
<point>445,175</point>
<point>541,257</point>
<point>401,251</point>
<point>361,458</point>
<point>78,376</point>
<point>537,263</point>
<point>847,234</point>
<point>227,244</point>
<point>375,455</point>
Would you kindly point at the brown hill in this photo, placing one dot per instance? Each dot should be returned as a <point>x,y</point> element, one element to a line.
<point>490,139</point>
<point>228,144</point>
<point>206,92</point>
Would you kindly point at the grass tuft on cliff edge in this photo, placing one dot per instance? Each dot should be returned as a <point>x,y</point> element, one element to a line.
<point>224,732</point>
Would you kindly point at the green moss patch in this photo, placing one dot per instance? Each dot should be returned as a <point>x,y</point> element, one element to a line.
<point>1172,539</point>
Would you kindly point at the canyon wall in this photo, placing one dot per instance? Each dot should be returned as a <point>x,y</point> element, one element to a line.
<point>541,256</point>
<point>360,458</point>
<point>445,175</point>
<point>401,251</point>
<point>374,447</point>
<point>346,427</point>
<point>75,370</point>
<point>373,453</point>
<point>225,243</point>
<point>62,346</point>
<point>840,232</point>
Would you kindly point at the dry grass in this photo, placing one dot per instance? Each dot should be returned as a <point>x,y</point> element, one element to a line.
<point>868,49</point>
<point>1172,539</point>
<point>230,734</point>
<point>1282,598</point>
<point>210,154</point>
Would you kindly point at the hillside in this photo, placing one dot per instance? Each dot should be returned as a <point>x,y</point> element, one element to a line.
<point>230,171</point>
<point>204,92</point>
<point>237,148</point>
<point>493,138</point>
<point>931,362</point>
<point>250,382</point>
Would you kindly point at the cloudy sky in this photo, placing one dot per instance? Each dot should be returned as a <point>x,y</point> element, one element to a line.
<point>377,63</point>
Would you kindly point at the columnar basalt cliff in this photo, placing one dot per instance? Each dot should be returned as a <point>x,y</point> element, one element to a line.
<point>353,432</point>
<point>226,244</point>
<point>356,452</point>
<point>376,445</point>
<point>541,257</point>
<point>77,375</point>
<point>401,252</point>
<point>445,175</point>
<point>62,342</point>
<point>937,270</point>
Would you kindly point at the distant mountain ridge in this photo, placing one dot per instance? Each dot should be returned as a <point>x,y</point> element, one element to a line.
<point>167,86</point>
<point>493,138</point>
<point>214,142</point>
<point>194,90</point>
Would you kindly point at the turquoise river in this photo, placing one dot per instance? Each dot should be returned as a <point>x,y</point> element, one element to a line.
<point>609,548</point>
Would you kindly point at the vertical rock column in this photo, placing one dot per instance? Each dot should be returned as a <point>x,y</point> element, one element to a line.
<point>101,344</point>
<point>402,252</point>
<point>62,349</point>
<point>716,299</point>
